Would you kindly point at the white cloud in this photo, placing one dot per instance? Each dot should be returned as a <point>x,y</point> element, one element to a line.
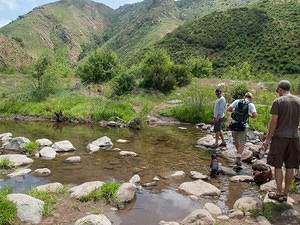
<point>3,22</point>
<point>10,4</point>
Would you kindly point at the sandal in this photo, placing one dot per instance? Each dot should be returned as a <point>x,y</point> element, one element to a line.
<point>222,145</point>
<point>279,198</point>
<point>214,146</point>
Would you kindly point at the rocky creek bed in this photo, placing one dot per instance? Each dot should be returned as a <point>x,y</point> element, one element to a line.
<point>163,171</point>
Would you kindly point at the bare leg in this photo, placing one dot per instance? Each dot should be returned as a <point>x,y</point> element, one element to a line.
<point>278,179</point>
<point>289,174</point>
<point>236,144</point>
<point>217,137</point>
<point>222,137</point>
<point>240,149</point>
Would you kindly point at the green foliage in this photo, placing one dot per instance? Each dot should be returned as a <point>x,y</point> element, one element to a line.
<point>237,92</point>
<point>31,146</point>
<point>102,65</point>
<point>293,187</point>
<point>255,212</point>
<point>8,210</point>
<point>198,105</point>
<point>124,82</point>
<point>107,191</point>
<point>199,66</point>
<point>46,196</point>
<point>5,164</point>
<point>271,209</point>
<point>159,73</point>
<point>242,72</point>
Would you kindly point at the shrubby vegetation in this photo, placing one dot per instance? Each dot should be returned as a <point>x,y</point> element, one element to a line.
<point>124,82</point>
<point>8,210</point>
<point>199,66</point>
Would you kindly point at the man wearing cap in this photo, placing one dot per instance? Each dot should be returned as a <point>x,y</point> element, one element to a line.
<point>218,117</point>
<point>240,135</point>
<point>284,139</point>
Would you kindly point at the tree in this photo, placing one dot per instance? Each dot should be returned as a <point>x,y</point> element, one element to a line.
<point>102,65</point>
<point>199,66</point>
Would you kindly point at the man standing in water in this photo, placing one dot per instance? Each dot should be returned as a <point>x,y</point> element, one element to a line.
<point>218,117</point>
<point>284,138</point>
<point>241,110</point>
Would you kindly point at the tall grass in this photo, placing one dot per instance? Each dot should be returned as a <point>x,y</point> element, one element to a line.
<point>8,210</point>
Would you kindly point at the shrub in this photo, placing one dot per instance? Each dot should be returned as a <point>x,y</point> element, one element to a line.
<point>241,72</point>
<point>181,74</point>
<point>31,146</point>
<point>237,92</point>
<point>199,66</point>
<point>123,83</point>
<point>102,65</point>
<point>8,210</point>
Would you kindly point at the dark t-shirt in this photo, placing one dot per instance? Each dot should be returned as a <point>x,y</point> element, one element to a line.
<point>288,110</point>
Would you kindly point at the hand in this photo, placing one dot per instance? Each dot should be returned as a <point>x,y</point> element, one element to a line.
<point>265,144</point>
<point>216,119</point>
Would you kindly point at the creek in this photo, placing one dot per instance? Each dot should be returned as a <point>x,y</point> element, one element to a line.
<point>162,150</point>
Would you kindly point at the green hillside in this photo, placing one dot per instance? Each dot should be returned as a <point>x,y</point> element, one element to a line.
<point>266,35</point>
<point>67,24</point>
<point>12,54</point>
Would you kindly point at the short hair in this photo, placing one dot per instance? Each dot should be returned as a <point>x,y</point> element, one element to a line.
<point>285,85</point>
<point>248,95</point>
<point>218,90</point>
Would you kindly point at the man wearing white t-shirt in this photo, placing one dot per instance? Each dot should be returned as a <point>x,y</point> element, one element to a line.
<point>239,131</point>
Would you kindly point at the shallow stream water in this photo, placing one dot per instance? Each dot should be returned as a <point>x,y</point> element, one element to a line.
<point>161,151</point>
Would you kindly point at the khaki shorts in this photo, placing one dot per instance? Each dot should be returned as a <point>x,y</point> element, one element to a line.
<point>240,136</point>
<point>284,150</point>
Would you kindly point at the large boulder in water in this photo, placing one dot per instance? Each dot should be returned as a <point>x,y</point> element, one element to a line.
<point>85,188</point>
<point>17,159</point>
<point>47,153</point>
<point>63,146</point>
<point>199,216</point>
<point>5,137</point>
<point>17,143</point>
<point>103,142</point>
<point>44,142</point>
<point>126,192</point>
<point>248,203</point>
<point>199,188</point>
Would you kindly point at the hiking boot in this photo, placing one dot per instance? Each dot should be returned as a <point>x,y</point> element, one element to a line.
<point>238,161</point>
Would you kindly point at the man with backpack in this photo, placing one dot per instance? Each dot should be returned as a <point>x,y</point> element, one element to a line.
<point>241,110</point>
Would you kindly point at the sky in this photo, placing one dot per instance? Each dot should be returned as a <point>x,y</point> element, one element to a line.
<point>11,9</point>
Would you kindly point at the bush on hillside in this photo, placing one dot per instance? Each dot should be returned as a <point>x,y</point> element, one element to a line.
<point>238,91</point>
<point>160,73</point>
<point>102,65</point>
<point>241,72</point>
<point>199,66</point>
<point>124,82</point>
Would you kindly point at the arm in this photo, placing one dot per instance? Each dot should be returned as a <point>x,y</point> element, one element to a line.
<point>229,109</point>
<point>253,115</point>
<point>272,128</point>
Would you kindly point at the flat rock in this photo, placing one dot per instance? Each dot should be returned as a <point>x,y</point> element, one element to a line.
<point>199,188</point>
<point>29,209</point>
<point>199,216</point>
<point>63,146</point>
<point>126,192</point>
<point>85,188</point>
<point>213,209</point>
<point>93,220</point>
<point>248,203</point>
<point>17,159</point>
<point>269,186</point>
<point>168,223</point>
<point>236,214</point>
<point>44,142</point>
<point>178,174</point>
<point>227,171</point>
<point>103,142</point>
<point>19,172</point>
<point>197,175</point>
<point>207,141</point>
<point>73,159</point>
<point>47,153</point>
<point>127,154</point>
<point>122,141</point>
<point>17,143</point>
<point>5,137</point>
<point>92,148</point>
<point>52,187</point>
<point>241,178</point>
<point>43,172</point>
<point>177,101</point>
<point>261,220</point>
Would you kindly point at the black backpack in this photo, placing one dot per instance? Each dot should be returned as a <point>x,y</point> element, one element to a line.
<point>240,113</point>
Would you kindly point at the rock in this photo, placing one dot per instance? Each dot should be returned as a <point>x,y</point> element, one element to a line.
<point>227,171</point>
<point>182,128</point>
<point>206,127</point>
<point>248,203</point>
<point>261,220</point>
<point>135,179</point>
<point>17,143</point>
<point>19,172</point>
<point>17,159</point>
<point>150,184</point>
<point>112,124</point>
<point>5,137</point>
<point>92,148</point>
<point>220,84</point>
<point>175,101</point>
<point>200,125</point>
<point>44,142</point>
<point>156,178</point>
<point>199,188</point>
<point>93,220</point>
<point>213,209</point>
<point>122,141</point>
<point>207,141</point>
<point>241,178</point>
<point>260,166</point>
<point>261,85</point>
<point>52,187</point>
<point>48,153</point>
<point>247,155</point>
<point>84,189</point>
<point>290,201</point>
<point>63,146</point>
<point>168,223</point>
<point>43,172</point>
<point>290,212</point>
<point>103,142</point>
<point>198,217</point>
<point>126,192</point>
<point>269,186</point>
<point>73,159</point>
<point>29,209</point>
<point>197,175</point>
<point>222,217</point>
<point>178,174</point>
<point>127,154</point>
<point>230,153</point>
<point>134,123</point>
<point>236,214</point>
